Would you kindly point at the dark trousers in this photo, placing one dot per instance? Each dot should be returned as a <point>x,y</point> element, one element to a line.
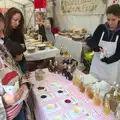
<point>20,116</point>
<point>51,21</point>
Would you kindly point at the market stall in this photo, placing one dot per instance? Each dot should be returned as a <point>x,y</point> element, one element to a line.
<point>37,50</point>
<point>41,55</point>
<point>72,40</point>
<point>56,98</point>
<point>74,47</point>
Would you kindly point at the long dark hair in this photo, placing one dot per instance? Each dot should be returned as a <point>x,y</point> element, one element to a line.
<point>113,9</point>
<point>8,17</point>
<point>2,17</point>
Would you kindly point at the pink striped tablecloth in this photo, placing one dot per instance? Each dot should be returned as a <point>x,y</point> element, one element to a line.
<point>53,83</point>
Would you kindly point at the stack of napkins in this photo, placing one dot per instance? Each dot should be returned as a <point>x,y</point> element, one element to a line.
<point>102,87</point>
<point>88,79</point>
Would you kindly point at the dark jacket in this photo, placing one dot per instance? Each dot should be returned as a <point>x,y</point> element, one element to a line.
<point>109,36</point>
<point>17,37</point>
<point>43,33</point>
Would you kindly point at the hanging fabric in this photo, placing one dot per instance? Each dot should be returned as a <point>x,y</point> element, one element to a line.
<point>39,4</point>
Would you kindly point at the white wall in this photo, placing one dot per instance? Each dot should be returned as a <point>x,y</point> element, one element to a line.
<point>77,21</point>
<point>9,4</point>
<point>29,10</point>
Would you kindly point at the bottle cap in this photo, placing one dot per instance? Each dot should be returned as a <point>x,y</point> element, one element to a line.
<point>65,65</point>
<point>56,62</point>
<point>108,96</point>
<point>119,105</point>
<point>115,93</point>
<point>114,83</point>
<point>117,86</point>
<point>69,68</point>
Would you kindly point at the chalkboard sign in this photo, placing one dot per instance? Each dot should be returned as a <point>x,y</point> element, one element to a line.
<point>82,6</point>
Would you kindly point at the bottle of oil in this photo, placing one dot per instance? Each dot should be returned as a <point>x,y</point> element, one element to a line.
<point>53,69</point>
<point>64,60</point>
<point>56,66</point>
<point>90,92</point>
<point>66,52</point>
<point>50,66</point>
<point>107,105</point>
<point>82,87</point>
<point>112,88</point>
<point>117,89</point>
<point>69,75</point>
<point>74,80</point>
<point>61,51</point>
<point>64,71</point>
<point>117,113</point>
<point>70,60</point>
<point>96,98</point>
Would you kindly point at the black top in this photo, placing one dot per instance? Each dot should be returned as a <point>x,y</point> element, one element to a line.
<point>108,36</point>
<point>16,36</point>
<point>42,32</point>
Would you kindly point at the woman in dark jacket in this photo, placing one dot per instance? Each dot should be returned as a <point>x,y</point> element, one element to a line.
<point>106,45</point>
<point>14,31</point>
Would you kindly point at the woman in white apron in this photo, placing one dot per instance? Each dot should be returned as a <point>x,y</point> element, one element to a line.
<point>106,44</point>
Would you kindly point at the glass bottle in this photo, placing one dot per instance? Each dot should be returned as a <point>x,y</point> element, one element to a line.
<point>96,98</point>
<point>115,94</point>
<point>61,51</point>
<point>64,60</point>
<point>53,69</point>
<point>39,37</point>
<point>64,71</point>
<point>56,66</point>
<point>117,112</point>
<point>70,60</point>
<point>90,92</point>
<point>75,78</point>
<point>66,52</point>
<point>113,88</point>
<point>79,82</point>
<point>117,89</point>
<point>50,66</point>
<point>69,75</point>
<point>107,104</point>
<point>82,87</point>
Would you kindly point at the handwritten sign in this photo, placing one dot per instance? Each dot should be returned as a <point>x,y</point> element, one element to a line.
<point>82,6</point>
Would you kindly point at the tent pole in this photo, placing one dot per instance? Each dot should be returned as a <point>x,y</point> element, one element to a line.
<point>24,16</point>
<point>5,3</point>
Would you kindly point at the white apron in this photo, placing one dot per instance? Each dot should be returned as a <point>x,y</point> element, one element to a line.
<point>102,70</point>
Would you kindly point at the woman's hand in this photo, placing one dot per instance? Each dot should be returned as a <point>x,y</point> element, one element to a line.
<point>10,99</point>
<point>24,87</point>
<point>101,49</point>
<point>27,75</point>
<point>23,45</point>
<point>41,23</point>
